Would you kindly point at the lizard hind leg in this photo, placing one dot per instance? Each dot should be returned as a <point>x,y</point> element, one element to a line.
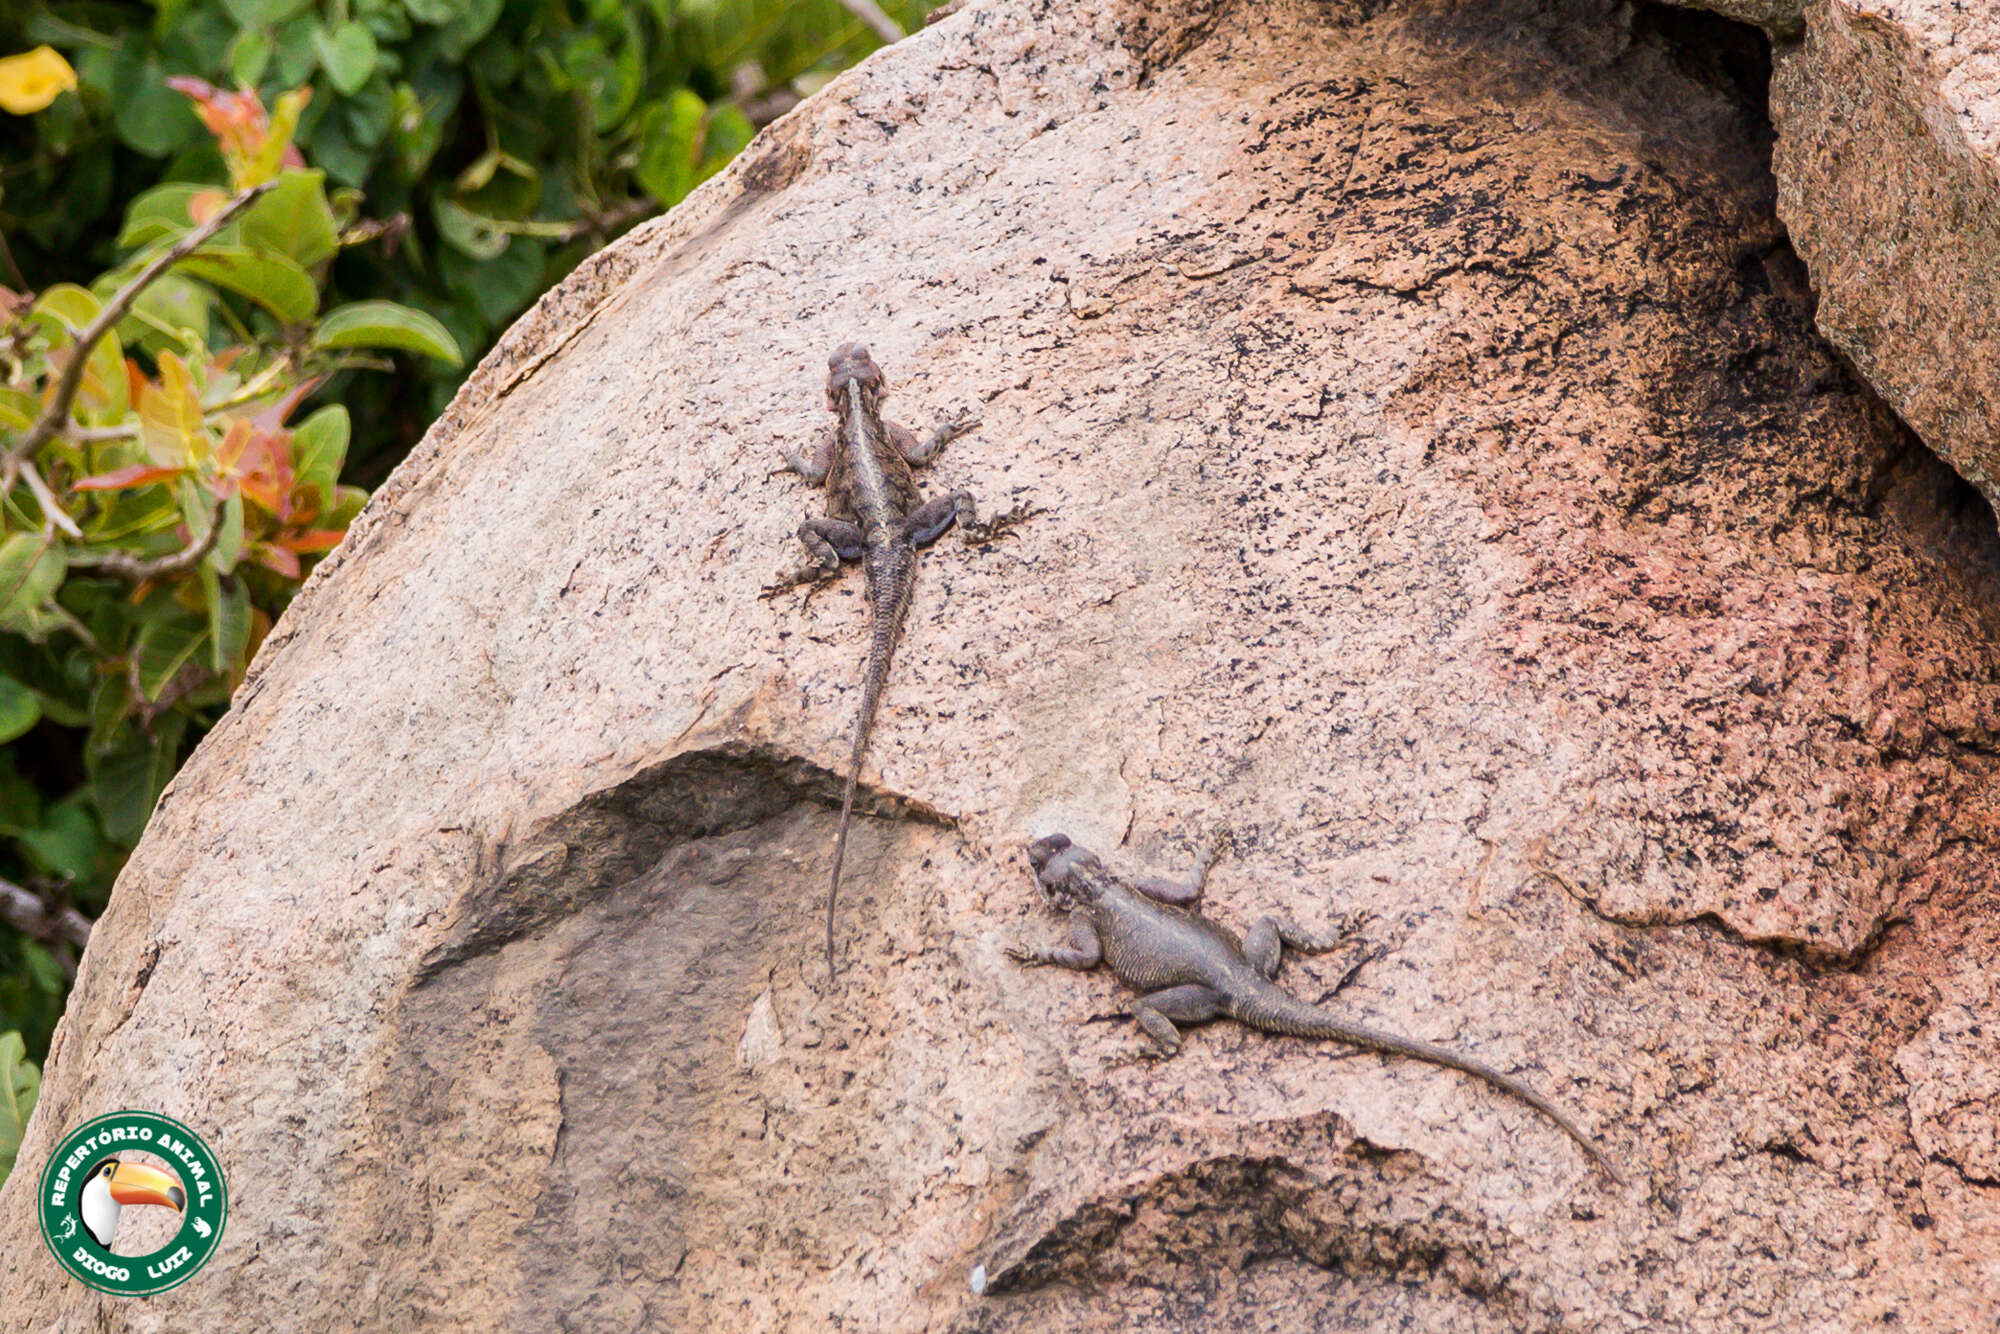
<point>1157,1012</point>
<point>832,541</point>
<point>928,521</point>
<point>1263,944</point>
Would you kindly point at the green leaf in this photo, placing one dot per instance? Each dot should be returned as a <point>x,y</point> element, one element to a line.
<point>262,13</point>
<point>668,136</point>
<point>126,784</point>
<point>249,56</point>
<point>158,214</point>
<point>727,133</point>
<point>415,134</point>
<point>319,444</point>
<point>20,1084</point>
<point>148,115</point>
<point>66,842</point>
<point>272,281</point>
<point>31,569</point>
<point>332,147</point>
<point>171,313</point>
<point>228,548</point>
<point>472,21</point>
<point>18,409</point>
<point>431,11</point>
<point>66,310</point>
<point>293,55</point>
<point>110,705</point>
<point>369,112</point>
<point>386,324</point>
<point>348,56</point>
<point>166,644</point>
<point>19,709</point>
<point>346,505</point>
<point>467,232</point>
<point>498,289</point>
<point>42,968</point>
<point>228,622</point>
<point>294,219</point>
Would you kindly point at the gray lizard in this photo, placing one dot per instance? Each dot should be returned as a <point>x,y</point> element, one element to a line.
<point>1191,969</point>
<point>875,516</point>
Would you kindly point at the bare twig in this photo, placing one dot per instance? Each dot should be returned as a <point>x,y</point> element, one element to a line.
<point>53,514</point>
<point>878,23</point>
<point>57,412</point>
<point>26,912</point>
<point>612,219</point>
<point>128,566</point>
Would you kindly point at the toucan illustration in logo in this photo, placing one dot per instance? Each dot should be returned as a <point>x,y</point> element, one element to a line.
<point>113,1184</point>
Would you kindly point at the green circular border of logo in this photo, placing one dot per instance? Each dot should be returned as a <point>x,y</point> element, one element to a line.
<point>164,1138</point>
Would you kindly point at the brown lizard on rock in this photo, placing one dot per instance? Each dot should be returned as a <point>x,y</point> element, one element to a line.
<point>1190,969</point>
<point>875,516</point>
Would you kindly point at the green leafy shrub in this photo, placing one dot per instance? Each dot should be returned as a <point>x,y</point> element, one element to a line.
<point>146,545</point>
<point>20,1083</point>
<point>158,506</point>
<point>499,141</point>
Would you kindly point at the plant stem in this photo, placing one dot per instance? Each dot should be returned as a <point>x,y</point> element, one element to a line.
<point>57,412</point>
<point>878,23</point>
<point>26,913</point>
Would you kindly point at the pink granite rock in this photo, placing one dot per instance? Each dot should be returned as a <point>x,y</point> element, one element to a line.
<point>1447,493</point>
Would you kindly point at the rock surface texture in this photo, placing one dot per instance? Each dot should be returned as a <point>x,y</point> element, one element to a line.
<point>1447,493</point>
<point>1888,163</point>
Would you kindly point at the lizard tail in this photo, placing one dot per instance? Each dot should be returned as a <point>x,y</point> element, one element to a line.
<point>890,580</point>
<point>1283,1013</point>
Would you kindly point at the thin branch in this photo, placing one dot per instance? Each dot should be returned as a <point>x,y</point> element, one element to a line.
<point>879,23</point>
<point>57,412</point>
<point>53,514</point>
<point>131,567</point>
<point>611,219</point>
<point>25,911</point>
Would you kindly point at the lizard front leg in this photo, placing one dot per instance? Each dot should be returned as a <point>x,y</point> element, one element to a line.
<point>920,452</point>
<point>1181,893</point>
<point>1158,1012</point>
<point>1085,950</point>
<point>813,464</point>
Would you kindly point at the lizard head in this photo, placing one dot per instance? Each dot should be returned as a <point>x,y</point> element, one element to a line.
<point>1068,875</point>
<point>851,364</point>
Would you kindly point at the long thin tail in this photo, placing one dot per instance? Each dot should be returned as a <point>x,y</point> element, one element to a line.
<point>890,578</point>
<point>1280,1012</point>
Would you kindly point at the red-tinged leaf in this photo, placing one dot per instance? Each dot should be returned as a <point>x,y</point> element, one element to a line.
<point>135,381</point>
<point>201,90</point>
<point>234,441</point>
<point>139,474</point>
<point>275,559</point>
<point>306,502</point>
<point>259,487</point>
<point>170,414</point>
<point>271,418</point>
<point>312,539</point>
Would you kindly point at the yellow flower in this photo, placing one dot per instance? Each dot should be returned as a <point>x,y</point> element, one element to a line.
<point>33,79</point>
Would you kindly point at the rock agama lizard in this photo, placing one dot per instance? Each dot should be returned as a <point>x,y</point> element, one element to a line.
<point>1190,969</point>
<point>875,516</point>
